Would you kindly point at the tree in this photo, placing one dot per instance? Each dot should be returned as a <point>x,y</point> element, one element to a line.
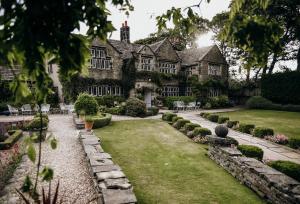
<point>34,33</point>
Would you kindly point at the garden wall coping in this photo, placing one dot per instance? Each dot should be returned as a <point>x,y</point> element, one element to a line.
<point>110,181</point>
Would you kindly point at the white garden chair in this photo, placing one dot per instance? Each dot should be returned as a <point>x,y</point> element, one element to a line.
<point>70,108</point>
<point>12,110</point>
<point>179,105</point>
<point>198,105</point>
<point>45,108</point>
<point>26,109</point>
<point>63,108</point>
<point>36,108</point>
<point>191,106</point>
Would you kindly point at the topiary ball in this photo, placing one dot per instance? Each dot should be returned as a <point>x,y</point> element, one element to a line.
<point>221,131</point>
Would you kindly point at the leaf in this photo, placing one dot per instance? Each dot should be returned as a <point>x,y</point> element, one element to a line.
<point>26,187</point>
<point>31,152</point>
<point>47,174</point>
<point>53,143</point>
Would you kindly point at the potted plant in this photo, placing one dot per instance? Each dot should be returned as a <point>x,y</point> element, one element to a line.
<point>88,123</point>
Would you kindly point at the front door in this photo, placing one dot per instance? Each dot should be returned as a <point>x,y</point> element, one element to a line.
<point>148,98</point>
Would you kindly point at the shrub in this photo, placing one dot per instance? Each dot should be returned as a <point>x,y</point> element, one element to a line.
<point>279,139</point>
<point>35,124</point>
<point>168,116</point>
<point>109,101</point>
<point>11,140</point>
<point>153,110</point>
<point>246,128</point>
<point>207,106</point>
<point>86,103</point>
<point>169,100</point>
<point>44,115</point>
<point>101,120</point>
<point>289,168</point>
<point>251,151</point>
<point>205,115</point>
<point>180,123</point>
<point>118,110</point>
<point>223,101</point>
<point>201,131</point>
<point>262,132</point>
<point>174,119</point>
<point>222,119</point>
<point>213,118</point>
<point>231,123</point>
<point>190,126</point>
<point>202,114</point>
<point>294,142</point>
<point>135,107</point>
<point>258,102</point>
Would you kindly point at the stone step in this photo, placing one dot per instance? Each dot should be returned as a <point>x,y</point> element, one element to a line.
<point>113,196</point>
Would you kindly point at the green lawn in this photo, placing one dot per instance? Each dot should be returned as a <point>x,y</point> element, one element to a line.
<point>164,166</point>
<point>287,123</point>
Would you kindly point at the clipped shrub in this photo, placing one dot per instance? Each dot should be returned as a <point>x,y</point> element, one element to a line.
<point>205,115</point>
<point>222,119</point>
<point>221,131</point>
<point>86,103</point>
<point>109,101</point>
<point>232,123</point>
<point>213,118</point>
<point>180,123</point>
<point>190,126</point>
<point>279,139</point>
<point>289,168</point>
<point>169,100</point>
<point>101,120</point>
<point>174,119</point>
<point>135,107</point>
<point>202,114</point>
<point>117,110</point>
<point>246,128</point>
<point>262,132</point>
<point>201,131</point>
<point>223,101</point>
<point>207,106</point>
<point>258,102</point>
<point>251,151</point>
<point>35,124</point>
<point>168,116</point>
<point>294,142</point>
<point>153,110</point>
<point>44,115</point>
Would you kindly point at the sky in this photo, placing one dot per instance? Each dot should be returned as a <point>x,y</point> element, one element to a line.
<point>142,20</point>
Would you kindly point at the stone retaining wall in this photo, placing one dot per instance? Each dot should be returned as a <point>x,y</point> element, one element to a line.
<point>267,182</point>
<point>109,179</point>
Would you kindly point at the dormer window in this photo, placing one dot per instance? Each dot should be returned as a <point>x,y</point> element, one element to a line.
<point>214,70</point>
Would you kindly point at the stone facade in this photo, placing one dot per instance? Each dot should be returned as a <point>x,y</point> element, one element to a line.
<point>267,182</point>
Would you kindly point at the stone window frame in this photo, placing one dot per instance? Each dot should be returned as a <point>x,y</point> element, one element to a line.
<point>100,59</point>
<point>214,69</point>
<point>105,90</point>
<point>167,67</point>
<point>145,62</point>
<point>170,91</point>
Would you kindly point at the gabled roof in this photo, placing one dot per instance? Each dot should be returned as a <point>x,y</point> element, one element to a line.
<point>194,55</point>
<point>156,46</point>
<point>125,48</point>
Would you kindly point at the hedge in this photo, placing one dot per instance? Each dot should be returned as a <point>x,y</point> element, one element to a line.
<point>262,132</point>
<point>190,126</point>
<point>294,142</point>
<point>283,88</point>
<point>169,100</point>
<point>289,168</point>
<point>109,101</point>
<point>246,128</point>
<point>201,131</point>
<point>251,151</point>
<point>231,123</point>
<point>180,123</point>
<point>153,110</point>
<point>35,124</point>
<point>174,119</point>
<point>222,120</point>
<point>11,140</point>
<point>168,116</point>
<point>213,118</point>
<point>101,121</point>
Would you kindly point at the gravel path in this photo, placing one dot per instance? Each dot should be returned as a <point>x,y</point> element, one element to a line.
<point>68,162</point>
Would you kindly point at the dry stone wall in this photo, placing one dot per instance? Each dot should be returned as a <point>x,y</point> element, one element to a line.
<point>109,179</point>
<point>267,182</point>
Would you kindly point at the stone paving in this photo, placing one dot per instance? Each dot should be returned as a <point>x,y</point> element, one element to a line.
<point>68,162</point>
<point>271,150</point>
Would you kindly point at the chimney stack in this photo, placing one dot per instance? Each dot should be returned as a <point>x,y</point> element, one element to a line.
<point>125,32</point>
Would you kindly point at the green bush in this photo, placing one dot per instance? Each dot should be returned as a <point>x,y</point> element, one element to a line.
<point>35,124</point>
<point>153,110</point>
<point>258,102</point>
<point>11,140</point>
<point>251,151</point>
<point>294,142</point>
<point>135,107</point>
<point>262,132</point>
<point>190,126</point>
<point>101,120</point>
<point>213,118</point>
<point>44,115</point>
<point>168,116</point>
<point>246,128</point>
<point>222,119</point>
<point>201,131</point>
<point>169,100</point>
<point>205,115</point>
<point>174,119</point>
<point>231,123</point>
<point>118,110</point>
<point>180,123</point>
<point>109,101</point>
<point>86,103</point>
<point>289,168</point>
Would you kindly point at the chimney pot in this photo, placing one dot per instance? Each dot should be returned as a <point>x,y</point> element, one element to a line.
<point>125,23</point>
